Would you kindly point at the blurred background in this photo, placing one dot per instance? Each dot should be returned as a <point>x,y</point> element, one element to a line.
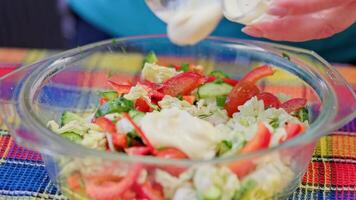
<point>63,24</point>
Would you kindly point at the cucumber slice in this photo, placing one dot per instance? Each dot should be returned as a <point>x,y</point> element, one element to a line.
<point>117,105</point>
<point>110,95</point>
<point>72,136</point>
<point>68,117</point>
<point>218,74</point>
<point>220,101</point>
<point>214,89</point>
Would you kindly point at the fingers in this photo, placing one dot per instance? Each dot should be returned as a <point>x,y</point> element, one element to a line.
<point>306,27</point>
<point>298,7</point>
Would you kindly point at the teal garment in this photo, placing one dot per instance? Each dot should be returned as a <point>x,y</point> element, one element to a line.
<point>122,18</point>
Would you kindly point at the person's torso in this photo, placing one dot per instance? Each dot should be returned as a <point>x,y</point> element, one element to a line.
<point>127,17</point>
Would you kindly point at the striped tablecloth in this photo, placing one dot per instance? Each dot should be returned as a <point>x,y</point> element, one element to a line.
<point>331,173</point>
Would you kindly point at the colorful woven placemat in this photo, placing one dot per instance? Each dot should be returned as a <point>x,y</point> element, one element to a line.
<point>331,173</point>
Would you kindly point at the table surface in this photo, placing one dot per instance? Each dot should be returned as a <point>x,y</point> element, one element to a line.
<point>331,173</point>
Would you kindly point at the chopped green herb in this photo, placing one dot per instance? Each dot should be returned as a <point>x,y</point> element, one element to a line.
<point>72,136</point>
<point>220,101</point>
<point>203,116</point>
<point>184,67</point>
<point>274,123</point>
<point>302,114</point>
<point>286,56</point>
<point>180,97</point>
<point>218,74</point>
<point>223,147</point>
<point>117,105</point>
<point>150,58</point>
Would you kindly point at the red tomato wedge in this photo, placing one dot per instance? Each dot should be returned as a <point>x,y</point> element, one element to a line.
<point>260,141</point>
<point>269,100</point>
<point>294,104</point>
<point>111,188</point>
<point>239,95</point>
<point>172,153</point>
<point>292,130</point>
<point>229,81</point>
<point>120,88</point>
<point>140,133</point>
<point>190,98</point>
<point>258,73</point>
<point>119,140</point>
<point>105,124</point>
<point>182,84</point>
<point>142,105</point>
<point>148,191</point>
<point>138,150</point>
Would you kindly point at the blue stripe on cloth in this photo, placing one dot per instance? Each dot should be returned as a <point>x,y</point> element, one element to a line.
<point>25,176</point>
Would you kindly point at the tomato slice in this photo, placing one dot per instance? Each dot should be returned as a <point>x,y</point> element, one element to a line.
<point>269,100</point>
<point>292,130</point>
<point>260,141</point>
<point>294,104</point>
<point>119,140</point>
<point>258,73</point>
<point>120,88</point>
<point>142,105</point>
<point>112,189</point>
<point>138,150</point>
<point>189,98</point>
<point>182,84</point>
<point>148,191</point>
<point>105,124</point>
<point>230,81</point>
<point>140,133</point>
<point>172,153</point>
<point>239,95</point>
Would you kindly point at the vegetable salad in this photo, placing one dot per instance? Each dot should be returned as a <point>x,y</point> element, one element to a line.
<point>178,112</point>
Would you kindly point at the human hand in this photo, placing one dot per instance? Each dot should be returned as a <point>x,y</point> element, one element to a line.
<point>303,20</point>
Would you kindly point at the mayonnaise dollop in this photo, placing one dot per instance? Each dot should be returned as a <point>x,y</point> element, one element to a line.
<point>177,128</point>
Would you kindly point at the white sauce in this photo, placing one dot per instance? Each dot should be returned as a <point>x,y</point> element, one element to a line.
<point>177,128</point>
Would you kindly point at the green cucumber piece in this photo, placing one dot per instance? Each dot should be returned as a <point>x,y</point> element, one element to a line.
<point>68,117</point>
<point>220,101</point>
<point>72,136</point>
<point>214,89</point>
<point>218,74</point>
<point>117,105</point>
<point>110,95</point>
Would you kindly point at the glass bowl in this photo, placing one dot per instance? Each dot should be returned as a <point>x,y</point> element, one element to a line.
<point>70,81</point>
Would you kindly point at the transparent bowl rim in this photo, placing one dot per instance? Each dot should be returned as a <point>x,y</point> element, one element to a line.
<point>76,150</point>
